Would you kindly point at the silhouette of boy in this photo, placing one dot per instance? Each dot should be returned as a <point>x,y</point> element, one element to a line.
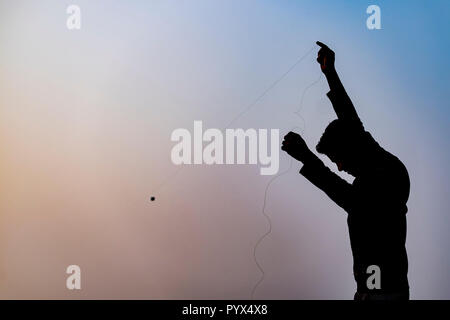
<point>376,200</point>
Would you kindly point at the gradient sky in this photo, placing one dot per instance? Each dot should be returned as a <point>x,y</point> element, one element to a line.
<point>85,124</point>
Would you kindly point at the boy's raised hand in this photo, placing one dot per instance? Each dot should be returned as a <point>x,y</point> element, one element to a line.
<point>325,57</point>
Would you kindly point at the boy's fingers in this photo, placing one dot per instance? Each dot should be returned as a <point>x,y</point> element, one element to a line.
<point>322,45</point>
<point>290,136</point>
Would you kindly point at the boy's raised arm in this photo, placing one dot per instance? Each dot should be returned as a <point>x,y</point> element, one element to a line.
<point>342,104</point>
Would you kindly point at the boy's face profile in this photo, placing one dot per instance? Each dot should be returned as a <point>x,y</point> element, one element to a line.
<point>343,163</point>
<point>339,163</point>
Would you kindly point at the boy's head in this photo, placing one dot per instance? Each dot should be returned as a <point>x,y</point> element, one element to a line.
<point>341,143</point>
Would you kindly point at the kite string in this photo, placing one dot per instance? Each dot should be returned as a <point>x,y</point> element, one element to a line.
<point>269,231</point>
<point>269,221</point>
<point>246,109</point>
<point>250,106</point>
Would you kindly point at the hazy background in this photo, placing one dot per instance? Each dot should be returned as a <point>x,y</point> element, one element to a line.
<point>85,124</point>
